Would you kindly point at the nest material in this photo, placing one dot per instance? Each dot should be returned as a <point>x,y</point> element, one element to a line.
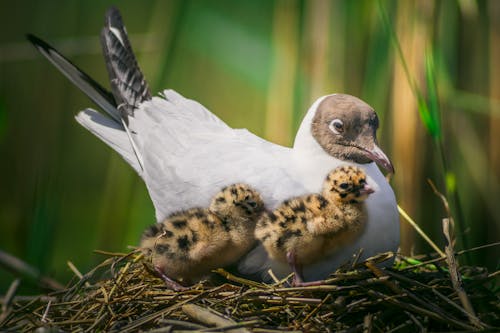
<point>122,295</point>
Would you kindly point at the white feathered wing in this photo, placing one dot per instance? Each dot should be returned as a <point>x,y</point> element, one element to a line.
<point>189,154</point>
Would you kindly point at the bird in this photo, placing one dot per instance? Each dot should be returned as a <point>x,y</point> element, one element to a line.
<point>304,229</point>
<point>182,151</point>
<point>188,244</point>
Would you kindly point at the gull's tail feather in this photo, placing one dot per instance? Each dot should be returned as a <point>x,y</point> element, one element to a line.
<point>129,88</point>
<point>111,133</point>
<point>99,95</point>
<point>128,84</point>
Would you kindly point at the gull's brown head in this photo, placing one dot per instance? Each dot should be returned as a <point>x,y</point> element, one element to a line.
<point>346,128</point>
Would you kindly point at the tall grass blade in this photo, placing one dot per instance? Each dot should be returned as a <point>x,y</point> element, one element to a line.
<point>428,108</point>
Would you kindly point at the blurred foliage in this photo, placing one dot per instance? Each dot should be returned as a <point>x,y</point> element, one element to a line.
<point>257,64</point>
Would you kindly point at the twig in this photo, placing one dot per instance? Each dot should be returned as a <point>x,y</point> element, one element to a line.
<point>402,325</point>
<point>237,279</point>
<point>432,261</point>
<point>416,309</point>
<point>231,327</point>
<point>7,300</point>
<point>286,300</point>
<point>402,291</point>
<point>316,309</point>
<point>27,298</point>
<point>133,300</point>
<point>478,248</point>
<point>416,321</point>
<point>11,292</point>
<point>77,272</point>
<point>449,301</point>
<point>112,254</point>
<point>267,330</point>
<point>181,323</point>
<point>356,258</point>
<point>22,268</point>
<point>368,323</point>
<point>442,197</point>
<point>210,317</point>
<point>100,318</point>
<point>273,277</point>
<point>168,329</point>
<point>132,327</point>
<point>455,277</point>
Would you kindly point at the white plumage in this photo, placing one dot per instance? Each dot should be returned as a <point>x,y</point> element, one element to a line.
<point>185,154</point>
<point>189,154</point>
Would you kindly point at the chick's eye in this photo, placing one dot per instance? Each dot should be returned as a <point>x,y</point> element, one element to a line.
<point>252,203</point>
<point>336,126</point>
<point>344,186</point>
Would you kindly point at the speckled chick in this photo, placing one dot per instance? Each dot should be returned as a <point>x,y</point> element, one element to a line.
<point>187,245</point>
<point>305,229</point>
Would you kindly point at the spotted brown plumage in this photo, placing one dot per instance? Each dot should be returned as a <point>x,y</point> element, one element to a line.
<point>188,244</point>
<point>305,229</point>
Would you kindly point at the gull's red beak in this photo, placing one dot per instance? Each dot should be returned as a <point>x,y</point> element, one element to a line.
<point>378,156</point>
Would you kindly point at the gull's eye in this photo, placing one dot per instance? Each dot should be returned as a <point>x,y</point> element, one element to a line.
<point>336,126</point>
<point>362,181</point>
<point>344,186</point>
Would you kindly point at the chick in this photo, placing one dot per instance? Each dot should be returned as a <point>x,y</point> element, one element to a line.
<point>187,245</point>
<point>302,230</point>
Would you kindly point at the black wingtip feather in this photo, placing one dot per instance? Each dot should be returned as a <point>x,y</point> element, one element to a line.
<point>37,42</point>
<point>128,84</point>
<point>98,94</point>
<point>114,18</point>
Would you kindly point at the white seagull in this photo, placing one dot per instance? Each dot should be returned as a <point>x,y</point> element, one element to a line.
<point>185,154</point>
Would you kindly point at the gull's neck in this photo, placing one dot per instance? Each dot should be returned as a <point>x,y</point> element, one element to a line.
<point>304,140</point>
<point>310,162</point>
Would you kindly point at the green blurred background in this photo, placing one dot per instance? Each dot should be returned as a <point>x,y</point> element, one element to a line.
<point>257,64</point>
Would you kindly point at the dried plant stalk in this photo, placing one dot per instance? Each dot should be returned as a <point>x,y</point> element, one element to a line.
<point>123,296</point>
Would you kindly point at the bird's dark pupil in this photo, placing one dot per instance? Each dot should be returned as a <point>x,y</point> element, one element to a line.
<point>338,125</point>
<point>344,185</point>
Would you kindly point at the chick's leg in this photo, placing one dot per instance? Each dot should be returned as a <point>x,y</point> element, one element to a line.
<point>172,284</point>
<point>298,280</point>
<point>296,268</point>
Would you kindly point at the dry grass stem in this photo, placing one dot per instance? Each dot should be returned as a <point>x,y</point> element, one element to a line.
<point>21,268</point>
<point>210,317</point>
<point>417,228</point>
<point>122,295</point>
<point>456,278</point>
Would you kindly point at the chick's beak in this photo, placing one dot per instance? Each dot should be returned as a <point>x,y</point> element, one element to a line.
<point>251,206</point>
<point>367,189</point>
<point>378,156</point>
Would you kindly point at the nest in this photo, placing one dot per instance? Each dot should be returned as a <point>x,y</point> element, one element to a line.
<point>123,295</point>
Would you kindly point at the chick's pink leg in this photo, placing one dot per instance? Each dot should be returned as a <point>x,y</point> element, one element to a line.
<point>298,280</point>
<point>296,268</point>
<point>172,284</point>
